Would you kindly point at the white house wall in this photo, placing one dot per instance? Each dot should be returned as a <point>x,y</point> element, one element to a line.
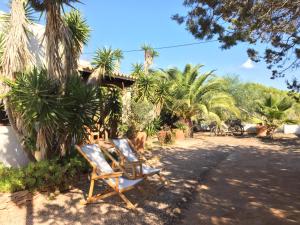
<point>291,129</point>
<point>11,153</point>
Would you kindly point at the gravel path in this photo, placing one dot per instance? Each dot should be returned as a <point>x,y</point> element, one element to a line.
<point>197,170</point>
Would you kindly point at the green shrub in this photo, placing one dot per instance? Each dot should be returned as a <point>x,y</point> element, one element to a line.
<point>44,175</point>
<point>51,117</point>
<point>181,126</point>
<point>152,127</point>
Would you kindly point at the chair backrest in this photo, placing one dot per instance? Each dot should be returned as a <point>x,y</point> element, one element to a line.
<point>95,155</point>
<point>124,147</point>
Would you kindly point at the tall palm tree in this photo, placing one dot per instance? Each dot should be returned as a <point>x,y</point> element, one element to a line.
<point>80,34</point>
<point>274,112</point>
<point>15,57</point>
<point>137,69</point>
<point>58,36</point>
<point>119,56</point>
<point>190,91</point>
<point>105,62</point>
<point>149,55</point>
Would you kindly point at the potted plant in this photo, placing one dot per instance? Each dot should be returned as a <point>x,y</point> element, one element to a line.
<point>261,130</point>
<point>274,112</point>
<point>180,130</point>
<point>165,136</point>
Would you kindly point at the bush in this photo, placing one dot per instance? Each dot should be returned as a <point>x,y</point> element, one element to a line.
<point>181,126</point>
<point>152,127</point>
<point>50,116</point>
<point>45,175</point>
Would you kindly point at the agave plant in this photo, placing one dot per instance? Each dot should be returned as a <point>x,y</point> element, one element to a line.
<point>53,119</point>
<point>274,112</point>
<point>82,105</point>
<point>34,97</point>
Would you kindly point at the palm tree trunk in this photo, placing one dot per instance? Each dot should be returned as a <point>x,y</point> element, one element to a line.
<point>189,123</point>
<point>19,134</point>
<point>53,37</point>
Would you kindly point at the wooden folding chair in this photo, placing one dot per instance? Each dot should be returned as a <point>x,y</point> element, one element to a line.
<point>132,159</point>
<point>102,170</point>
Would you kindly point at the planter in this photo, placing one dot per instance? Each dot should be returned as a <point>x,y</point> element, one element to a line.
<point>261,131</point>
<point>165,137</point>
<point>179,135</point>
<point>139,141</point>
<point>161,135</point>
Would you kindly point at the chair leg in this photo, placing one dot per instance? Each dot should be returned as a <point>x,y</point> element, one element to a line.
<point>128,203</point>
<point>104,194</point>
<point>90,195</point>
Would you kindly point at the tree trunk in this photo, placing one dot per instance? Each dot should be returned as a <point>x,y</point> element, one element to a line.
<point>19,134</point>
<point>53,38</point>
<point>190,132</point>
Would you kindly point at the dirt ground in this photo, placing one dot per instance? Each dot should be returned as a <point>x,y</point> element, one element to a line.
<point>257,184</point>
<point>213,180</point>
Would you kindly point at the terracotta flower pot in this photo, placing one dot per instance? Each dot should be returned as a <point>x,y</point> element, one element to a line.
<point>261,131</point>
<point>179,135</point>
<point>161,135</point>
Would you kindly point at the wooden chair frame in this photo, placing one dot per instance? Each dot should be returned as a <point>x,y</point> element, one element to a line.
<point>135,166</point>
<point>107,193</point>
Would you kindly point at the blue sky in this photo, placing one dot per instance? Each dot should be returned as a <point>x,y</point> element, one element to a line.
<point>128,24</point>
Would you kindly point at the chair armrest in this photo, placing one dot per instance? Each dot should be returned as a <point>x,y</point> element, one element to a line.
<point>108,175</point>
<point>135,163</point>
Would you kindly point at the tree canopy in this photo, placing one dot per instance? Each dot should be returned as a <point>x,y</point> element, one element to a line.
<point>272,22</point>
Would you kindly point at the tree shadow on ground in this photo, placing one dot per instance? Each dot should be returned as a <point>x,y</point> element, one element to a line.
<point>236,185</point>
<point>252,186</point>
<point>182,167</point>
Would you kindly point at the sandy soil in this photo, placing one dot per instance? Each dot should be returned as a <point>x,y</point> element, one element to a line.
<point>213,180</point>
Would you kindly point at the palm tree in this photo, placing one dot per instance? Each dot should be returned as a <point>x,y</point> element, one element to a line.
<point>105,61</point>
<point>149,55</point>
<point>219,107</point>
<point>58,36</point>
<point>190,93</point>
<point>274,112</point>
<point>80,34</point>
<point>137,70</point>
<point>15,57</point>
<point>119,56</point>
